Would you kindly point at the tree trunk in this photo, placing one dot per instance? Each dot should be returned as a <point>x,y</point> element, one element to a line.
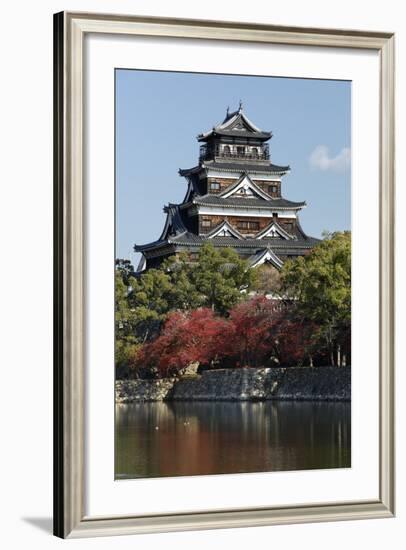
<point>311,361</point>
<point>344,360</point>
<point>332,358</point>
<point>339,355</point>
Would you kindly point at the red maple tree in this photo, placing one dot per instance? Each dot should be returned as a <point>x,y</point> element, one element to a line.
<point>258,332</point>
<point>252,332</point>
<point>186,337</point>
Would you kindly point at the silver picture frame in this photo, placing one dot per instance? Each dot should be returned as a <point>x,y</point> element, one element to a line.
<point>70,30</point>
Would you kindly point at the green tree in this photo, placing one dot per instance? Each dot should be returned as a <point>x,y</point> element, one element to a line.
<point>217,280</point>
<point>125,268</point>
<point>126,342</point>
<point>220,277</point>
<point>320,285</point>
<point>183,294</point>
<point>149,300</point>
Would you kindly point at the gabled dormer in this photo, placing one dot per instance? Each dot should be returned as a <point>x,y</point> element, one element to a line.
<point>224,229</point>
<point>245,188</point>
<point>272,231</point>
<point>266,256</point>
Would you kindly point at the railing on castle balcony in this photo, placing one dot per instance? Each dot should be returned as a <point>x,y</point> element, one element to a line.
<point>240,152</point>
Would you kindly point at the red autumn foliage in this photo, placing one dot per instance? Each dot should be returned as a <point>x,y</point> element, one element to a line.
<point>185,338</point>
<point>294,340</point>
<point>263,332</point>
<point>258,332</point>
<point>252,331</point>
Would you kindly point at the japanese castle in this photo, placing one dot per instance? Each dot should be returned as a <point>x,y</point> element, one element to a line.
<point>233,199</point>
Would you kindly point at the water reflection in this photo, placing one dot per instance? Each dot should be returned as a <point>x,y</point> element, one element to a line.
<point>191,438</point>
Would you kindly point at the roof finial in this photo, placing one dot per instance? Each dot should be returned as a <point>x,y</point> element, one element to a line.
<point>240,106</point>
<point>228,110</point>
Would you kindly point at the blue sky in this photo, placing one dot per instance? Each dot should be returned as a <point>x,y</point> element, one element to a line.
<point>159,114</point>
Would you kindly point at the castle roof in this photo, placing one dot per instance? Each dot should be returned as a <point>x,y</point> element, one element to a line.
<point>250,203</point>
<point>245,194</point>
<point>191,240</point>
<point>236,166</point>
<point>295,246</point>
<point>236,124</point>
<point>177,234</point>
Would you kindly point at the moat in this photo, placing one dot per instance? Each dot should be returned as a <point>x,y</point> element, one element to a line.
<point>156,439</point>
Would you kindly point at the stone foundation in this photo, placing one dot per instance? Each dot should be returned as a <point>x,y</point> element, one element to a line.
<point>247,384</point>
<point>128,391</point>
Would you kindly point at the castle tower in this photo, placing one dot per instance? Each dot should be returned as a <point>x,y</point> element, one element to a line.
<point>234,199</point>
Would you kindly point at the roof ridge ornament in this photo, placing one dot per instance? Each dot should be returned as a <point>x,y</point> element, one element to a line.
<point>240,106</point>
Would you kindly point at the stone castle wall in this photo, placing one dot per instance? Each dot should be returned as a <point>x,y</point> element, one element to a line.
<point>301,383</point>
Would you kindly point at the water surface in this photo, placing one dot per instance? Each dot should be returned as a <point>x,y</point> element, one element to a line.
<point>197,438</point>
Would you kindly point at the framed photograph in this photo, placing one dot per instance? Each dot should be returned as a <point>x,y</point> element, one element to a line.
<point>224,275</point>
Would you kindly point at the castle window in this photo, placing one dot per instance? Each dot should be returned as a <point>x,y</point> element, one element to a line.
<point>227,151</point>
<point>273,188</point>
<point>244,224</point>
<point>214,185</point>
<point>254,151</point>
<point>206,223</point>
<point>240,151</point>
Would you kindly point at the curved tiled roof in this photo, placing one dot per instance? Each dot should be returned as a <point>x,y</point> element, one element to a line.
<point>259,244</point>
<point>262,136</point>
<point>236,124</point>
<point>188,239</point>
<point>272,257</point>
<point>176,232</point>
<point>235,202</point>
<point>238,167</point>
<point>247,167</point>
